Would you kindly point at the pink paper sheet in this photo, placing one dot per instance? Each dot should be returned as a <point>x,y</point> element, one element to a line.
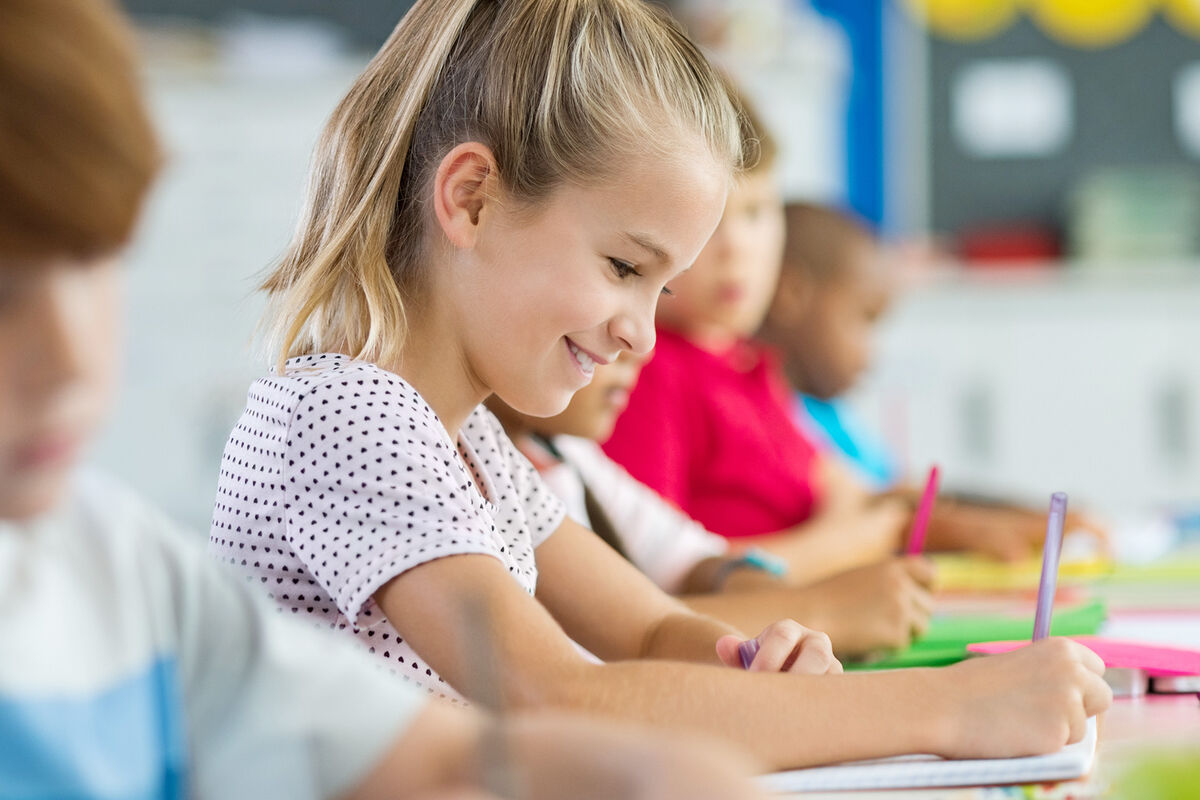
<point>1155,659</point>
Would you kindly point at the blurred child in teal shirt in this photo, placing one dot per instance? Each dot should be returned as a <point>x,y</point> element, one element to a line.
<point>834,286</point>
<point>832,291</point>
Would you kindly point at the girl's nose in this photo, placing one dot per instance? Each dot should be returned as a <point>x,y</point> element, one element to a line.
<point>635,330</point>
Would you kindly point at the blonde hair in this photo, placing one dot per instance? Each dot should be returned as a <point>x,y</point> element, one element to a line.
<point>77,149</point>
<point>558,89</point>
<point>759,151</point>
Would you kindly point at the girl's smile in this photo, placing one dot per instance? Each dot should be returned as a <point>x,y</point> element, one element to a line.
<point>584,361</point>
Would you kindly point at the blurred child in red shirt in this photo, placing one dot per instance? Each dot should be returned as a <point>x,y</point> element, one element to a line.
<point>711,424</point>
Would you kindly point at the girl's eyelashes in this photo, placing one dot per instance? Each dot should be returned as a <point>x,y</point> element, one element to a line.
<point>624,269</point>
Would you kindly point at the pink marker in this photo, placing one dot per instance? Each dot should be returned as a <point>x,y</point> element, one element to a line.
<point>916,539</point>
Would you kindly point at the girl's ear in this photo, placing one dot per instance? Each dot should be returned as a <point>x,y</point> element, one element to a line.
<point>464,184</point>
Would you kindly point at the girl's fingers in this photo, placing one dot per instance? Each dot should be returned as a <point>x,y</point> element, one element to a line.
<point>727,651</point>
<point>785,646</point>
<point>815,656</point>
<point>919,626</point>
<point>1078,727</point>
<point>1097,695</point>
<point>777,647</point>
<point>1089,659</point>
<point>920,569</point>
<point>922,601</point>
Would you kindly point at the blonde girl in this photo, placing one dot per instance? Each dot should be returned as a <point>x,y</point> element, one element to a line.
<point>495,207</point>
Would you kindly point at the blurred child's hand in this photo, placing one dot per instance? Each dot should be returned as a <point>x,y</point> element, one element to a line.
<point>1007,534</point>
<point>556,756</point>
<point>881,606</point>
<point>785,646</point>
<point>875,530</point>
<point>1031,701</point>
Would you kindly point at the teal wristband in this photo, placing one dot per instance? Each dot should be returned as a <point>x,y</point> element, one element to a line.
<point>754,558</point>
<point>767,562</point>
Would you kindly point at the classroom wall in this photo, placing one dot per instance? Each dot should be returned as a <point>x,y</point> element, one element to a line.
<point>366,22</point>
<point>238,147</point>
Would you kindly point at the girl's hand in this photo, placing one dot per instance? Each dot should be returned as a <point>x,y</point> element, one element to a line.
<point>785,646</point>
<point>1006,534</point>
<point>1030,701</point>
<point>874,531</point>
<point>881,606</point>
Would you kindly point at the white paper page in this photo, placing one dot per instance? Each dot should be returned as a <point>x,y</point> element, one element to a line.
<point>910,772</point>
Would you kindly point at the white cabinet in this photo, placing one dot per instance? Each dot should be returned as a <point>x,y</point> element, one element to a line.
<point>1083,379</point>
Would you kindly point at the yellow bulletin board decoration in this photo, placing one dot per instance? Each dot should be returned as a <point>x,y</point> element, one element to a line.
<point>964,20</point>
<point>1184,15</point>
<point>1091,23</point>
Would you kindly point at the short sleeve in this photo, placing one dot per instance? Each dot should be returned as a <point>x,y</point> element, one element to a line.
<point>564,480</point>
<point>544,511</point>
<point>272,707</point>
<point>374,487</point>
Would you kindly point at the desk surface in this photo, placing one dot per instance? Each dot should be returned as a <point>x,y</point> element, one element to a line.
<point>1153,721</point>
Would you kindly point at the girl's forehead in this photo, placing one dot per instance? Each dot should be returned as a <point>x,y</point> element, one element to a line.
<point>648,201</point>
<point>665,178</point>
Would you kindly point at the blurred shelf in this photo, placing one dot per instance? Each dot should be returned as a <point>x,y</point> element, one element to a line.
<point>1066,273</point>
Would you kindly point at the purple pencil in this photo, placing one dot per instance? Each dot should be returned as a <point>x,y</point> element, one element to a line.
<point>747,650</point>
<point>1050,554</point>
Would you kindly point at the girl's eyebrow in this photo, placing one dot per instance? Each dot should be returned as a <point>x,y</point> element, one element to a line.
<point>647,242</point>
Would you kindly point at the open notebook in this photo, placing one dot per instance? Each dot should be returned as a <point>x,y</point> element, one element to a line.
<point>921,771</point>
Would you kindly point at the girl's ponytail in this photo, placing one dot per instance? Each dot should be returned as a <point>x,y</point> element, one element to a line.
<point>334,284</point>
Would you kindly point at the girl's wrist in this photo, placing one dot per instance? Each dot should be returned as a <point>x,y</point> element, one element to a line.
<point>934,710</point>
<point>756,568</point>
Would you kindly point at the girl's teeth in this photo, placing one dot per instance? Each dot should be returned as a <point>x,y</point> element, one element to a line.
<point>583,358</point>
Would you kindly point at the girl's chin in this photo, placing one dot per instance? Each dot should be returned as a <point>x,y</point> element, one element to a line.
<point>539,406</point>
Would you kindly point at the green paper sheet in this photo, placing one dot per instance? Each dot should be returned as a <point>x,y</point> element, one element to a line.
<point>948,636</point>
